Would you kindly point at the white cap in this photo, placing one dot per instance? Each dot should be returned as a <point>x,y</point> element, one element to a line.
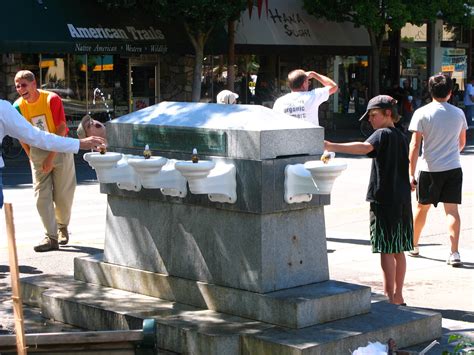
<point>227,97</point>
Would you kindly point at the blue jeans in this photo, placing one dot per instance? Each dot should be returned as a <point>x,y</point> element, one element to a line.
<point>1,187</point>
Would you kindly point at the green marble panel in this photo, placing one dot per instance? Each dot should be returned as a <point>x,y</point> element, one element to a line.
<point>206,141</point>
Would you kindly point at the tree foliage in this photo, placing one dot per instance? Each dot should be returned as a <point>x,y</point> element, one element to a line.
<point>198,17</point>
<point>380,16</point>
<point>377,15</point>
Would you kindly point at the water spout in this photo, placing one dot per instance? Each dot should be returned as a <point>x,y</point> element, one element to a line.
<point>98,93</point>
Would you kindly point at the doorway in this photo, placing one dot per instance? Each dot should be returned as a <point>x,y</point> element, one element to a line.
<point>144,85</point>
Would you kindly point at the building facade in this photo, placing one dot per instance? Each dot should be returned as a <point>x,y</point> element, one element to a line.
<point>108,62</point>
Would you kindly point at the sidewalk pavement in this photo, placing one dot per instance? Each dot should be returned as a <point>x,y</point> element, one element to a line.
<point>429,283</point>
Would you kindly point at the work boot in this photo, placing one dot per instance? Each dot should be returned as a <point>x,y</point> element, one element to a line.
<point>63,236</point>
<point>47,244</point>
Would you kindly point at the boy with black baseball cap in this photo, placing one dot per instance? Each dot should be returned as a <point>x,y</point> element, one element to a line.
<point>389,193</point>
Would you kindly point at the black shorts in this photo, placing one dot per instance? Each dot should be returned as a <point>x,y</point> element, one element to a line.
<point>442,186</point>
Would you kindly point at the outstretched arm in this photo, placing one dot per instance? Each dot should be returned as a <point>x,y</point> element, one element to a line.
<point>323,80</point>
<point>360,148</point>
<point>16,126</point>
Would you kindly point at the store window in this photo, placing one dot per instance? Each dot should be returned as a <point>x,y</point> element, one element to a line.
<point>454,61</point>
<point>100,86</point>
<point>412,91</point>
<point>63,75</point>
<point>214,77</point>
<point>352,77</point>
<point>87,84</point>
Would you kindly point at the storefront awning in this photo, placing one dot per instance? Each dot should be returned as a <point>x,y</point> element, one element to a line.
<point>288,24</point>
<point>57,26</point>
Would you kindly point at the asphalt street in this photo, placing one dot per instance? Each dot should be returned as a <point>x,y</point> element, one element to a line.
<point>429,284</point>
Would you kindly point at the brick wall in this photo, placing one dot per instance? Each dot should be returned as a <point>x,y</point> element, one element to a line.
<point>8,69</point>
<point>176,77</point>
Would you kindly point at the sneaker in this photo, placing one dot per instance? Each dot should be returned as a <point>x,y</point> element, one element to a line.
<point>454,259</point>
<point>47,244</point>
<point>415,252</point>
<point>63,236</point>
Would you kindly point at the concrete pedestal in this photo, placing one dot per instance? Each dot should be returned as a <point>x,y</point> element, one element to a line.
<point>248,251</point>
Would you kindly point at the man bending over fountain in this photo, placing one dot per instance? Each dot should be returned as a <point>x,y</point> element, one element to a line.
<point>90,127</point>
<point>54,174</point>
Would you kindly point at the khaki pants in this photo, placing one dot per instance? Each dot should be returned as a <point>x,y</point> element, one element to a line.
<point>54,192</point>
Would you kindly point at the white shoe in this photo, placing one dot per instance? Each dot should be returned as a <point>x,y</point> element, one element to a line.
<point>454,259</point>
<point>415,252</point>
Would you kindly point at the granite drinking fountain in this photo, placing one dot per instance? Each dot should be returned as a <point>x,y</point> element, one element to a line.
<point>227,254</point>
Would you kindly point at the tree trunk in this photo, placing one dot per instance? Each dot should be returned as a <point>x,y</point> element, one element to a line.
<point>198,40</point>
<point>198,59</point>
<point>231,55</point>
<point>376,41</point>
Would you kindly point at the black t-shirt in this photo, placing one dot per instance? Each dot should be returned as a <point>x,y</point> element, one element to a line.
<point>389,181</point>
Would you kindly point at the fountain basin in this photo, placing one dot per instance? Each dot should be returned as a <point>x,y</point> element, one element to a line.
<point>302,181</point>
<point>112,168</point>
<point>159,173</point>
<point>145,167</point>
<point>107,160</point>
<point>192,171</point>
<point>324,175</point>
<point>217,180</point>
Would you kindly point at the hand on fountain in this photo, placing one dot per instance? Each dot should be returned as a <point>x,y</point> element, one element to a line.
<point>93,142</point>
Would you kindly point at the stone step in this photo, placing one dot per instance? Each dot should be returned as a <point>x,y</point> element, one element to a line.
<point>296,307</point>
<point>188,329</point>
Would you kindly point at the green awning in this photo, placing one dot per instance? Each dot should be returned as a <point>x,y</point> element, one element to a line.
<point>57,26</point>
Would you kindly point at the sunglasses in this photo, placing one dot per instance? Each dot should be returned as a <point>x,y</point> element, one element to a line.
<point>22,85</point>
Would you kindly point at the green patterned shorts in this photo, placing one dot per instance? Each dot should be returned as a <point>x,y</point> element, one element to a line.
<point>391,228</point>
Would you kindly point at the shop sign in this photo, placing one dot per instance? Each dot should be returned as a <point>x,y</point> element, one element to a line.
<point>287,23</point>
<point>410,72</point>
<point>127,32</point>
<point>447,68</point>
<point>119,48</point>
<point>454,51</point>
<point>291,24</point>
<point>127,39</point>
<point>458,62</point>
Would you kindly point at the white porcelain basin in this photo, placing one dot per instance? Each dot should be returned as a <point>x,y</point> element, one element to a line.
<point>113,167</point>
<point>98,161</point>
<point>192,171</point>
<point>152,165</point>
<point>324,175</point>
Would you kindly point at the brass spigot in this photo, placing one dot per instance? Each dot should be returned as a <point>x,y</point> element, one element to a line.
<point>326,156</point>
<point>147,152</point>
<point>195,157</point>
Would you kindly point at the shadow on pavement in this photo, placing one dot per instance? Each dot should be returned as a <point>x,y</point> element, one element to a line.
<point>454,314</point>
<point>24,269</point>
<point>349,241</point>
<point>17,172</point>
<point>80,249</point>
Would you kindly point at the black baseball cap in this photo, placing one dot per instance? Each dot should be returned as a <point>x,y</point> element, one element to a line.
<point>380,101</point>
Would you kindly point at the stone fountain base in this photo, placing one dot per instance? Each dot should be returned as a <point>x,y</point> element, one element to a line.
<point>100,298</point>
